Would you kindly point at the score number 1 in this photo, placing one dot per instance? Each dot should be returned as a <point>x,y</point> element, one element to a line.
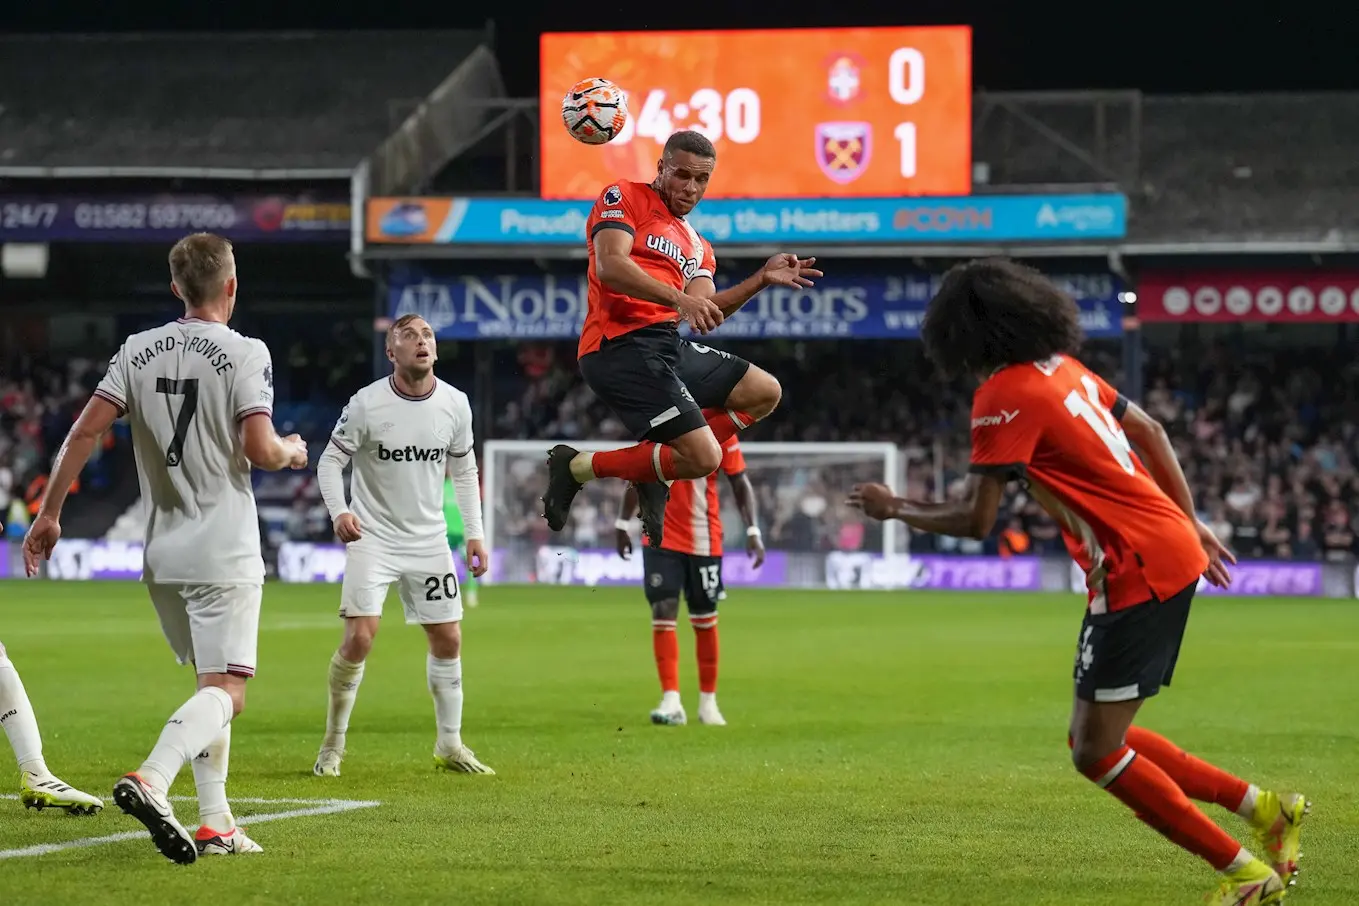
<point>906,86</point>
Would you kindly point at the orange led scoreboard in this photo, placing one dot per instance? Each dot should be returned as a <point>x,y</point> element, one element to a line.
<point>794,113</point>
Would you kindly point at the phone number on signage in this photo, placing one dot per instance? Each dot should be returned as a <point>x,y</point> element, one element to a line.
<point>155,216</point>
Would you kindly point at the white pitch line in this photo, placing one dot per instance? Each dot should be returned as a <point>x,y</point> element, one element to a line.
<point>320,807</point>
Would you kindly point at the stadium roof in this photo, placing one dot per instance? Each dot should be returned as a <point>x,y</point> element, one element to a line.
<point>315,101</point>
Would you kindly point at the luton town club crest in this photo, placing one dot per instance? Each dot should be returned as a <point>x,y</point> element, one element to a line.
<point>843,149</point>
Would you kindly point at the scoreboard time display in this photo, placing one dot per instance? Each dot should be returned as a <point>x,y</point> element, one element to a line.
<point>793,113</point>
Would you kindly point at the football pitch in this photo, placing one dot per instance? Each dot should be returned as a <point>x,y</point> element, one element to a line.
<point>882,747</point>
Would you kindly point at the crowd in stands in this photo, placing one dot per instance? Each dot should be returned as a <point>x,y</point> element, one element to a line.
<point>1268,439</point>
<point>40,398</point>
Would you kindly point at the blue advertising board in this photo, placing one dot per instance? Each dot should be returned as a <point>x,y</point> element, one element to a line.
<point>866,306</point>
<point>728,222</point>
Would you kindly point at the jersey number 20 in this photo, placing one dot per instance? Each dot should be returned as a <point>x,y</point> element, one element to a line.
<point>1099,418</point>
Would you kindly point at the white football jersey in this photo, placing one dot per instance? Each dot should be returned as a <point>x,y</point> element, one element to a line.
<point>185,388</point>
<point>398,445</point>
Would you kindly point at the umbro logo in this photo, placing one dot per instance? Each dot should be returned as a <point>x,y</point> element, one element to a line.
<point>991,421</point>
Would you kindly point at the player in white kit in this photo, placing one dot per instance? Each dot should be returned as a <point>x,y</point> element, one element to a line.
<point>398,432</point>
<point>199,397</point>
<point>39,788</point>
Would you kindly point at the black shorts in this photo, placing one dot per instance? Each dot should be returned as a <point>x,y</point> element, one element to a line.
<point>669,573</point>
<point>1131,653</point>
<point>658,384</point>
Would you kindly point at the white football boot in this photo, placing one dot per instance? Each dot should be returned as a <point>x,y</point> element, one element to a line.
<point>670,712</point>
<point>707,710</point>
<point>328,763</point>
<point>47,791</point>
<point>459,761</point>
<point>136,798</point>
<point>229,843</point>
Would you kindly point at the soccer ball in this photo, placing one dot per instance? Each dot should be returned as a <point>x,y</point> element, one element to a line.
<point>594,111</point>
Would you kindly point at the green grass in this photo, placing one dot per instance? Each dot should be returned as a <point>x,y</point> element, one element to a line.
<point>903,748</point>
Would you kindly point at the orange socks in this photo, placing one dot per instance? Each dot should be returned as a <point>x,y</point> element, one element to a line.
<point>727,423</point>
<point>1160,803</point>
<point>705,641</point>
<point>666,647</point>
<point>644,462</point>
<point>1199,779</point>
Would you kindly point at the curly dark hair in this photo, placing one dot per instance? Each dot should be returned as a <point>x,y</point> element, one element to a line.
<point>994,312</point>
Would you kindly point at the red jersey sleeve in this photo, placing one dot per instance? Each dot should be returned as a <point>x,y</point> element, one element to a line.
<point>1004,436</point>
<point>614,209</point>
<point>733,460</point>
<point>708,266</point>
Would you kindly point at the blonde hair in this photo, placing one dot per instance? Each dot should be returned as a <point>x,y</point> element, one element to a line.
<point>200,265</point>
<point>400,323</point>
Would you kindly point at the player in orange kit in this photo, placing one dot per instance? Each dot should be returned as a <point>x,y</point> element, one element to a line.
<point>649,270</point>
<point>1042,418</point>
<point>690,561</point>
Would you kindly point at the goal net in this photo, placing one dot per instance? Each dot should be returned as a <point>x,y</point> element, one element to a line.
<point>800,490</point>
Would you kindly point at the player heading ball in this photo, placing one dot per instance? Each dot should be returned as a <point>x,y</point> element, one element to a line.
<point>650,269</point>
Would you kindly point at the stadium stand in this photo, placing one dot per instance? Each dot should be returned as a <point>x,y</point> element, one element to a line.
<point>291,101</point>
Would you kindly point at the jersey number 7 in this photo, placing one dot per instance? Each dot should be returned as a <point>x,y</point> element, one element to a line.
<point>1093,412</point>
<point>187,388</point>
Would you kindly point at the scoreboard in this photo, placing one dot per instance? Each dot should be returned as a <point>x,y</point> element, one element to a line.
<point>793,113</point>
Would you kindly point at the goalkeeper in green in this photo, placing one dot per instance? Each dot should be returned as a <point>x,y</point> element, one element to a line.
<point>453,525</point>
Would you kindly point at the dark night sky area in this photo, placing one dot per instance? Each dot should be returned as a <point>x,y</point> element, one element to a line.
<point>1272,47</point>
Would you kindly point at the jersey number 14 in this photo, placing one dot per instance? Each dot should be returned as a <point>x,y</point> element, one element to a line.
<point>1093,412</point>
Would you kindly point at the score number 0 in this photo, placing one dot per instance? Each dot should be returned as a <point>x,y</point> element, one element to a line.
<point>906,86</point>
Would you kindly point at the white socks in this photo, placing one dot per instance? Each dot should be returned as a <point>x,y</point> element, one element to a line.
<point>344,689</point>
<point>445,684</point>
<point>210,776</point>
<point>189,731</point>
<point>16,716</point>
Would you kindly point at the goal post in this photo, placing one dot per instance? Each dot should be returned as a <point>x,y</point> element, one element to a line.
<point>800,491</point>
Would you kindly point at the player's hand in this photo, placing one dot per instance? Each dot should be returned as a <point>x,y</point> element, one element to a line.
<point>622,542</point>
<point>876,500</point>
<point>478,560</point>
<point>755,548</point>
<point>1218,557</point>
<point>703,314</point>
<point>298,448</point>
<point>347,527</point>
<point>789,270</point>
<point>42,536</point>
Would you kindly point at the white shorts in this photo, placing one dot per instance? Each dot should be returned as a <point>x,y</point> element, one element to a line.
<point>214,627</point>
<point>426,583</point>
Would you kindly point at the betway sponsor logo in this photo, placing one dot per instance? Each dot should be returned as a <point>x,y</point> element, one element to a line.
<point>990,421</point>
<point>409,453</point>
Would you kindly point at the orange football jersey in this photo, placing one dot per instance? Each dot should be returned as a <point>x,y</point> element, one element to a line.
<point>663,245</point>
<point>1056,424</point>
<point>693,517</point>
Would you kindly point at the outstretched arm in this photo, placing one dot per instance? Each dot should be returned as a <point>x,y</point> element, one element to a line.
<point>972,515</point>
<point>781,270</point>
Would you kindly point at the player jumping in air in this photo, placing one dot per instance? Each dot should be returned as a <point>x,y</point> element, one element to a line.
<point>38,787</point>
<point>690,561</point>
<point>649,270</point>
<point>1041,417</point>
<point>398,432</point>
<point>200,400</point>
